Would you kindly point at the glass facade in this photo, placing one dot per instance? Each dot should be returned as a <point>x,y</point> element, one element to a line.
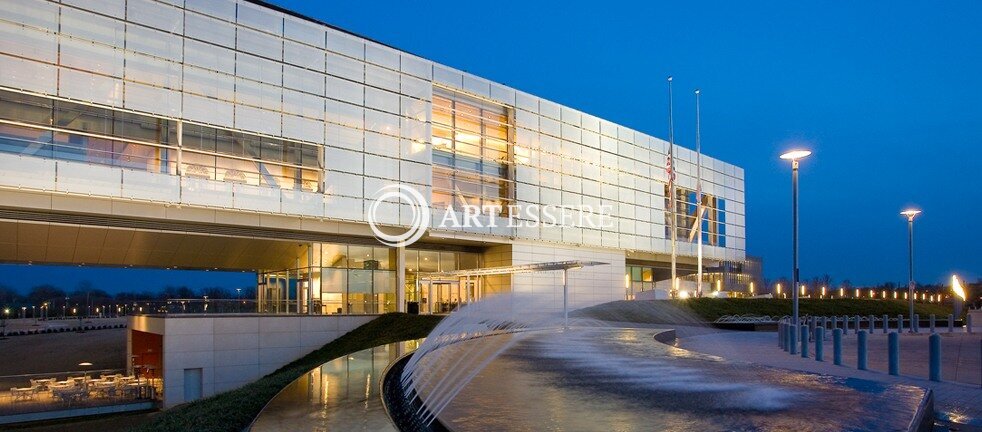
<point>471,152</point>
<point>356,279</point>
<point>58,129</point>
<point>230,105</point>
<point>713,217</point>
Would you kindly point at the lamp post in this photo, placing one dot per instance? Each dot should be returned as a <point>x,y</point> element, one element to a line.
<point>794,156</point>
<point>910,213</point>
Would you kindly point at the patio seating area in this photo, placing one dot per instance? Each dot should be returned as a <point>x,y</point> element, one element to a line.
<point>47,394</point>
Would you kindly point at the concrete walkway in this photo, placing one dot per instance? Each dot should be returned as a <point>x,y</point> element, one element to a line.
<point>955,401</point>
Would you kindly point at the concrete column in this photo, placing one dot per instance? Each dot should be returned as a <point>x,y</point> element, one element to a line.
<point>886,323</point>
<point>820,344</point>
<point>401,279</point>
<point>934,365</point>
<point>804,341</point>
<point>837,347</point>
<point>566,298</point>
<point>310,279</point>
<point>429,297</point>
<point>894,353</point>
<point>861,350</point>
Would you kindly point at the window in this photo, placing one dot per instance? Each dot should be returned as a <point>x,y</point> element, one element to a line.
<point>471,152</point>
<point>713,217</point>
<point>42,127</point>
<point>52,128</point>
<point>357,279</point>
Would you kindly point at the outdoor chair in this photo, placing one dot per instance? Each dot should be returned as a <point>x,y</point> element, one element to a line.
<point>23,393</point>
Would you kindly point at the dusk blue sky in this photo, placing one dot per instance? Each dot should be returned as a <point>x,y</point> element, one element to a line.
<point>887,94</point>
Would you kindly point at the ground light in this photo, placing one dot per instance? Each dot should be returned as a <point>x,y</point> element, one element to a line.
<point>794,156</point>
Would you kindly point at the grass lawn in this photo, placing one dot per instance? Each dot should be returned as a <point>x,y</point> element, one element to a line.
<point>235,409</point>
<point>709,309</point>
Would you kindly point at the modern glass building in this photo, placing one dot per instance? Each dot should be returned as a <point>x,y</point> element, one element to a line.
<point>236,135</point>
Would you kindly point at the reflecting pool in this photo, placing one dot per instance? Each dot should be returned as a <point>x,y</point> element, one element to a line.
<point>340,395</point>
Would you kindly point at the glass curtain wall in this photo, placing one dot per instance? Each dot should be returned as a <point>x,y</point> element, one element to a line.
<point>713,217</point>
<point>357,279</point>
<point>57,129</point>
<point>471,152</point>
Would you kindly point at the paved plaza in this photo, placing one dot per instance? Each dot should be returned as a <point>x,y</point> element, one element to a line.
<point>958,397</point>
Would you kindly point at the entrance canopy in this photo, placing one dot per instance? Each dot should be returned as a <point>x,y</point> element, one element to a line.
<point>503,270</point>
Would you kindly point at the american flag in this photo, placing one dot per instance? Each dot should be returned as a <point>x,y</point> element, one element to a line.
<point>669,169</point>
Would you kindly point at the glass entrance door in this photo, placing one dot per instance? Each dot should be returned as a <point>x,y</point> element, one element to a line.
<point>446,296</point>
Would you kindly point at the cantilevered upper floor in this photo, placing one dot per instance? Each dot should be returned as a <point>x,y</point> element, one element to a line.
<point>236,108</point>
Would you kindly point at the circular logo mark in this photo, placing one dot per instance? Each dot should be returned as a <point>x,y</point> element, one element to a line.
<point>420,220</point>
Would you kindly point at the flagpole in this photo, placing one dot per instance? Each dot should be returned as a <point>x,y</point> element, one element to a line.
<point>698,203</point>
<point>671,189</point>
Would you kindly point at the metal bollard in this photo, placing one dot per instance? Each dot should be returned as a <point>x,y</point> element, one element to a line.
<point>812,323</point>
<point>780,334</point>
<point>861,350</point>
<point>951,323</point>
<point>837,347</point>
<point>968,323</point>
<point>894,348</point>
<point>872,324</point>
<point>900,323</point>
<point>845,326</point>
<point>784,335</point>
<point>935,357</point>
<point>931,321</point>
<point>886,324</point>
<point>835,322</point>
<point>793,340</point>
<point>820,344</point>
<point>915,324</point>
<point>825,322</point>
<point>856,321</point>
<point>804,341</point>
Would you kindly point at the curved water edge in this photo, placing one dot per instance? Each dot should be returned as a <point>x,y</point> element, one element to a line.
<point>603,379</point>
<point>406,413</point>
<point>341,394</point>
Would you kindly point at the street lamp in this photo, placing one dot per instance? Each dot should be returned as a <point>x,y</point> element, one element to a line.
<point>910,213</point>
<point>794,156</point>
